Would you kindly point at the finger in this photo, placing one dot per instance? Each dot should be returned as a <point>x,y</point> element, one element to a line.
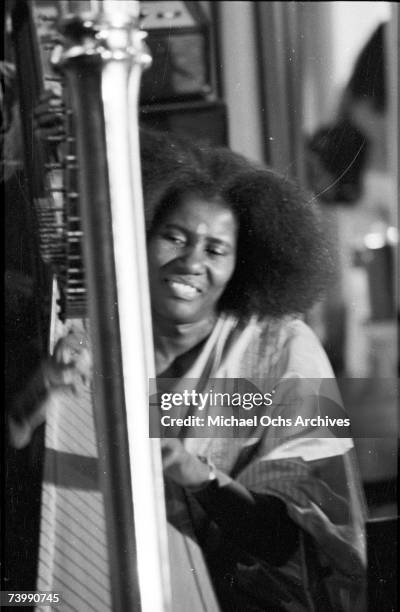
<point>64,354</point>
<point>67,349</point>
<point>73,339</point>
<point>76,344</point>
<point>27,414</point>
<point>171,452</point>
<point>20,433</point>
<point>84,365</point>
<point>71,362</point>
<point>21,430</point>
<point>58,376</point>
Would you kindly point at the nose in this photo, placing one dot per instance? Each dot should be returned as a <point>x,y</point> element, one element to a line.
<point>192,259</point>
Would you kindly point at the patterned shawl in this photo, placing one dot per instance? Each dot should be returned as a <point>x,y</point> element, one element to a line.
<point>312,469</point>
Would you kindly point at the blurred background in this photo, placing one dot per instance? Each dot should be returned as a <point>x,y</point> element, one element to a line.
<point>310,88</point>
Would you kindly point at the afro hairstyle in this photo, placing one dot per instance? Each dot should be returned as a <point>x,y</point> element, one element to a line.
<point>283,260</point>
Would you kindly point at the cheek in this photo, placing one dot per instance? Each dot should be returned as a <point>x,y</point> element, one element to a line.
<point>223,276</point>
<point>159,253</point>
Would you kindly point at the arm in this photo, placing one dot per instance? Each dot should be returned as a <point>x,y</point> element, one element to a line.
<point>257,523</point>
<point>69,365</point>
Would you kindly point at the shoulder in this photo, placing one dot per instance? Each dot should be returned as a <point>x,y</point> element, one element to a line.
<point>293,348</point>
<point>268,347</point>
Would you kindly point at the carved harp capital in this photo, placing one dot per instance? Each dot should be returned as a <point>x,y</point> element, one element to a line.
<point>110,32</point>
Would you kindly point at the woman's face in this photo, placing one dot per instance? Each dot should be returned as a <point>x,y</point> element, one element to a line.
<point>192,255</point>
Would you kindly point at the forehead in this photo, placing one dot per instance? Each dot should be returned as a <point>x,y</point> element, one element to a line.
<point>202,216</point>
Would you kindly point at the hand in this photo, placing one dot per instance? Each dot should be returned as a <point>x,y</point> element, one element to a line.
<point>69,367</point>
<point>71,362</point>
<point>181,466</point>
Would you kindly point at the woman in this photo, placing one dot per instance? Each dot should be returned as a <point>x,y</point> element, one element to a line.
<point>235,255</point>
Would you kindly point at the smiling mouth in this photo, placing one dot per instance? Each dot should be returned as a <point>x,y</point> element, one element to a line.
<point>182,290</point>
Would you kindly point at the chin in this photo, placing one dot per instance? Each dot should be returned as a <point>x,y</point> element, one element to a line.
<point>182,317</point>
<point>181,313</point>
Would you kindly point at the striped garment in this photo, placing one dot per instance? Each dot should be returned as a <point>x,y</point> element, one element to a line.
<point>310,468</point>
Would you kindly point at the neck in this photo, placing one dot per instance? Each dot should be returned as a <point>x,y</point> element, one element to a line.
<point>173,339</point>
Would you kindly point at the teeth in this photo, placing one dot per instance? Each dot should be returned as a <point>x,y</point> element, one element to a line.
<point>183,290</point>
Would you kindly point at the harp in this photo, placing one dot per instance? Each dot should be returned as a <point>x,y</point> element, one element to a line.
<point>105,543</point>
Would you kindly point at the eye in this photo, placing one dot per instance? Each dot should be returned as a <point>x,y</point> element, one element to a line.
<point>175,239</point>
<point>216,250</point>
